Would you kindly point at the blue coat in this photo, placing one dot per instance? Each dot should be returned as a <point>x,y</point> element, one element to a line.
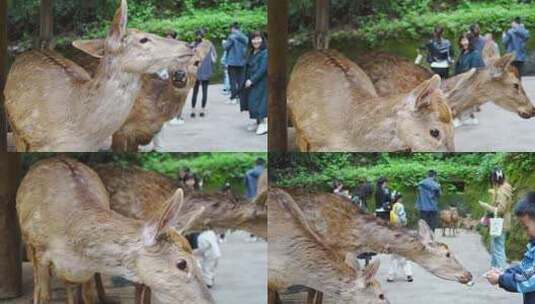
<point>521,278</point>
<point>468,61</point>
<point>251,181</point>
<point>256,71</point>
<point>515,42</point>
<point>236,47</point>
<point>429,192</point>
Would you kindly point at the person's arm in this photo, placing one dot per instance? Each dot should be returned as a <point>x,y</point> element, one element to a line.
<point>242,38</point>
<point>477,61</point>
<point>506,38</point>
<point>261,71</point>
<point>521,32</point>
<point>522,282</point>
<point>213,53</point>
<point>228,43</point>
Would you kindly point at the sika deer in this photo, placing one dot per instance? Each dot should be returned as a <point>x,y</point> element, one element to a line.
<point>64,213</point>
<point>334,107</point>
<point>497,82</point>
<point>297,255</point>
<point>449,219</point>
<point>54,105</point>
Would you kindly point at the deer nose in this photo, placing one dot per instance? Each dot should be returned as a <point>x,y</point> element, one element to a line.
<point>465,278</point>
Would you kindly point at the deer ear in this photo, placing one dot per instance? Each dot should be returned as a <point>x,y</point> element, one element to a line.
<point>371,270</point>
<point>191,220</point>
<point>424,232</point>
<point>166,219</point>
<point>499,66</point>
<point>93,47</point>
<point>422,93</point>
<point>118,25</point>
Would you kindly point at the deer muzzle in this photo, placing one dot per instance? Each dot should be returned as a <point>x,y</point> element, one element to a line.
<point>465,278</point>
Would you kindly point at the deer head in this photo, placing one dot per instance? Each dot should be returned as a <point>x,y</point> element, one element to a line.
<point>425,120</point>
<point>437,258</point>
<point>135,51</point>
<point>166,263</point>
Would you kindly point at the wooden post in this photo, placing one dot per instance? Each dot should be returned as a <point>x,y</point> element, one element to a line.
<point>278,69</point>
<point>3,74</point>
<point>46,28</point>
<point>10,248</point>
<point>321,34</point>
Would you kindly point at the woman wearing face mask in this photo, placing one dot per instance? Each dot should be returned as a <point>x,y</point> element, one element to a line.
<point>256,83</point>
<point>469,58</point>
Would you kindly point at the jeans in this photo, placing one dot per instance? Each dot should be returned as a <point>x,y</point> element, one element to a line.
<point>204,84</point>
<point>226,81</point>
<point>430,217</point>
<point>444,73</point>
<point>498,258</point>
<point>236,76</point>
<point>519,65</point>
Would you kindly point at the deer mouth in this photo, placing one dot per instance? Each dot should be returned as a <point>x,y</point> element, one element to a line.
<point>179,79</point>
<point>526,114</point>
<point>465,278</point>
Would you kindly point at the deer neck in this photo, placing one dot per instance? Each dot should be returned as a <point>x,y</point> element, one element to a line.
<point>110,97</point>
<point>113,246</point>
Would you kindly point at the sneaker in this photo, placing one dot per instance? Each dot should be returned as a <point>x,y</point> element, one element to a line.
<point>181,121</point>
<point>192,115</point>
<point>202,113</point>
<point>409,279</point>
<point>234,102</point>
<point>389,280</point>
<point>262,128</point>
<point>176,121</point>
<point>457,123</point>
<point>252,127</point>
<point>472,121</point>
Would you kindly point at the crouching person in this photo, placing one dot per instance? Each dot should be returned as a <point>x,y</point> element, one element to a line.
<point>209,253</point>
<point>521,278</point>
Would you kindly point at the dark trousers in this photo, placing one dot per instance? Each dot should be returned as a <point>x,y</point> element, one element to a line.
<point>442,72</point>
<point>430,217</point>
<point>519,65</point>
<point>236,75</point>
<point>204,84</point>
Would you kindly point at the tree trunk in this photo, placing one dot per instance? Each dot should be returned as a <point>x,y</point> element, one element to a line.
<point>46,28</point>
<point>10,248</point>
<point>278,69</point>
<point>321,34</point>
<point>3,74</point>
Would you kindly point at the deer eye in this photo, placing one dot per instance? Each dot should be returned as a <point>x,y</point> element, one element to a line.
<point>144,40</point>
<point>182,265</point>
<point>435,133</point>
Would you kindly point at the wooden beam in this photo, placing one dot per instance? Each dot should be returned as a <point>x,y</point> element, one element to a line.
<point>278,69</point>
<point>3,74</point>
<point>46,28</point>
<point>10,251</point>
<point>321,33</point>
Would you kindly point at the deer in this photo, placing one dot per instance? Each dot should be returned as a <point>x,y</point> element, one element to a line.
<point>54,105</point>
<point>158,100</point>
<point>497,82</point>
<point>137,193</point>
<point>297,255</point>
<point>449,219</point>
<point>334,107</point>
<point>65,218</point>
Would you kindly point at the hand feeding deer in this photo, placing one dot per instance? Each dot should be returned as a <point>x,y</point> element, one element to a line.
<point>54,105</point>
<point>297,255</point>
<point>64,213</point>
<point>335,107</point>
<point>137,193</point>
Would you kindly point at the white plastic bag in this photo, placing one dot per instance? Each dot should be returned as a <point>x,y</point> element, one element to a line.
<point>496,226</point>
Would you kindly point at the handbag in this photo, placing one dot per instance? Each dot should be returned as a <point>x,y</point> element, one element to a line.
<point>496,225</point>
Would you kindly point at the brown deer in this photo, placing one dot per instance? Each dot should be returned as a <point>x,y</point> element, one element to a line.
<point>334,107</point>
<point>449,219</point>
<point>497,82</point>
<point>68,226</point>
<point>297,255</point>
<point>349,231</point>
<point>54,105</point>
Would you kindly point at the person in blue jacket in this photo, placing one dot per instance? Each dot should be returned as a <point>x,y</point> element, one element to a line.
<point>427,202</point>
<point>251,178</point>
<point>236,47</point>
<point>256,84</point>
<point>521,278</point>
<point>515,40</point>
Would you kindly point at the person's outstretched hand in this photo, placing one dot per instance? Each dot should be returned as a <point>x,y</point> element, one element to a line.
<point>493,276</point>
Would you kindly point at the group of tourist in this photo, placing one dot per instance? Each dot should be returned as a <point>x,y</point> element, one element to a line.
<point>474,51</point>
<point>244,62</point>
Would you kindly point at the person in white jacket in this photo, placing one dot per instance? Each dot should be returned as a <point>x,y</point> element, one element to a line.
<point>209,253</point>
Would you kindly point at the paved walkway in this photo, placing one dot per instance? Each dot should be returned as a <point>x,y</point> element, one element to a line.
<point>499,130</point>
<point>222,130</point>
<point>241,276</point>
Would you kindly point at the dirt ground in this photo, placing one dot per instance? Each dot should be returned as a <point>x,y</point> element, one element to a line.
<point>241,276</point>
<point>427,288</point>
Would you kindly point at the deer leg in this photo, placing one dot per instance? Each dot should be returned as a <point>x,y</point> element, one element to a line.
<point>139,293</point>
<point>311,296</point>
<point>146,295</point>
<point>273,297</point>
<point>44,284</point>
<point>319,297</point>
<point>87,292</point>
<point>33,260</point>
<point>70,292</point>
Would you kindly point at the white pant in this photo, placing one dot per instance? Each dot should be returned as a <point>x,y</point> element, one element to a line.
<point>208,268</point>
<point>398,263</point>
